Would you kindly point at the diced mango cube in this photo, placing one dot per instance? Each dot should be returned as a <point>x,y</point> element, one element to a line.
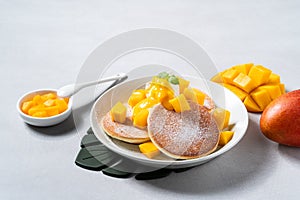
<point>190,94</point>
<point>200,96</point>
<point>161,95</point>
<point>273,90</point>
<point>62,105</point>
<point>243,68</point>
<point>229,75</point>
<point>162,82</point>
<point>37,99</point>
<point>183,84</point>
<point>251,105</point>
<point>41,113</point>
<point>167,105</point>
<point>144,104</point>
<point>261,97</point>
<point>52,110</point>
<point>49,95</point>
<point>118,113</point>
<point>34,109</point>
<point>259,74</point>
<point>274,79</point>
<point>140,120</point>
<point>237,91</point>
<point>49,102</point>
<point>225,137</point>
<point>180,103</point>
<point>26,106</point>
<point>244,82</point>
<point>136,97</point>
<point>222,117</point>
<point>149,149</point>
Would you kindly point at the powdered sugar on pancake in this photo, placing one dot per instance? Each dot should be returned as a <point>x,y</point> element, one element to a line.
<point>189,134</point>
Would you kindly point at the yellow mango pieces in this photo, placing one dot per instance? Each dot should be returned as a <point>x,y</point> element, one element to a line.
<point>243,68</point>
<point>136,96</point>
<point>144,104</point>
<point>167,104</point>
<point>190,94</point>
<point>180,103</point>
<point>45,105</point>
<point>244,82</point>
<point>194,95</point>
<point>162,82</point>
<point>237,91</point>
<point>183,84</point>
<point>251,105</point>
<point>222,117</point>
<point>140,119</point>
<point>160,93</point>
<point>149,149</point>
<point>225,137</point>
<point>259,74</point>
<point>118,112</point>
<point>229,75</point>
<point>200,96</point>
<point>255,85</point>
<point>274,78</point>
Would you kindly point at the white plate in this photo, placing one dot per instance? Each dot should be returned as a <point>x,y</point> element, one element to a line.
<point>222,97</point>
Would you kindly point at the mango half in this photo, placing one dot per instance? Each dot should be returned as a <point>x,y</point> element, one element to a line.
<point>255,85</point>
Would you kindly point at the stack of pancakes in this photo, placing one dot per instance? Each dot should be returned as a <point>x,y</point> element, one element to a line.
<point>186,135</point>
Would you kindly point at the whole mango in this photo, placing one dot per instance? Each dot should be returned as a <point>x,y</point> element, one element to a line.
<point>280,121</point>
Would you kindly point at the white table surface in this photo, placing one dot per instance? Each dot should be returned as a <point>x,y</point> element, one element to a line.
<point>44,44</point>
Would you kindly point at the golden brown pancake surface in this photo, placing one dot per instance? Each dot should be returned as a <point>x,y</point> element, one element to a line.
<point>185,135</point>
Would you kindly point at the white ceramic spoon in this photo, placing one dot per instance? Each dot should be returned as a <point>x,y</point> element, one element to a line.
<point>69,90</point>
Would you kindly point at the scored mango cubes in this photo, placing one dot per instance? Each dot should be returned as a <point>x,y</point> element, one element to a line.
<point>255,85</point>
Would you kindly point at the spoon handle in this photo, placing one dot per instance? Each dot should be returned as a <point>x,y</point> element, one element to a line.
<point>69,90</point>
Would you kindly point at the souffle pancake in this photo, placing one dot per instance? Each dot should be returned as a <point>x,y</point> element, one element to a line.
<point>189,134</point>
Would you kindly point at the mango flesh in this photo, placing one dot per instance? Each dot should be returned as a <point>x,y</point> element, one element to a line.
<point>255,85</point>
<point>183,84</point>
<point>280,121</point>
<point>140,119</point>
<point>118,113</point>
<point>222,117</point>
<point>149,149</point>
<point>180,104</point>
<point>45,105</point>
<point>225,137</point>
<point>136,96</point>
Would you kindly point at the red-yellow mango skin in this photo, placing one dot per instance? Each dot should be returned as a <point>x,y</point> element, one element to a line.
<point>280,121</point>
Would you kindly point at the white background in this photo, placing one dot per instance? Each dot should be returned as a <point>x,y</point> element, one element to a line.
<point>43,44</point>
